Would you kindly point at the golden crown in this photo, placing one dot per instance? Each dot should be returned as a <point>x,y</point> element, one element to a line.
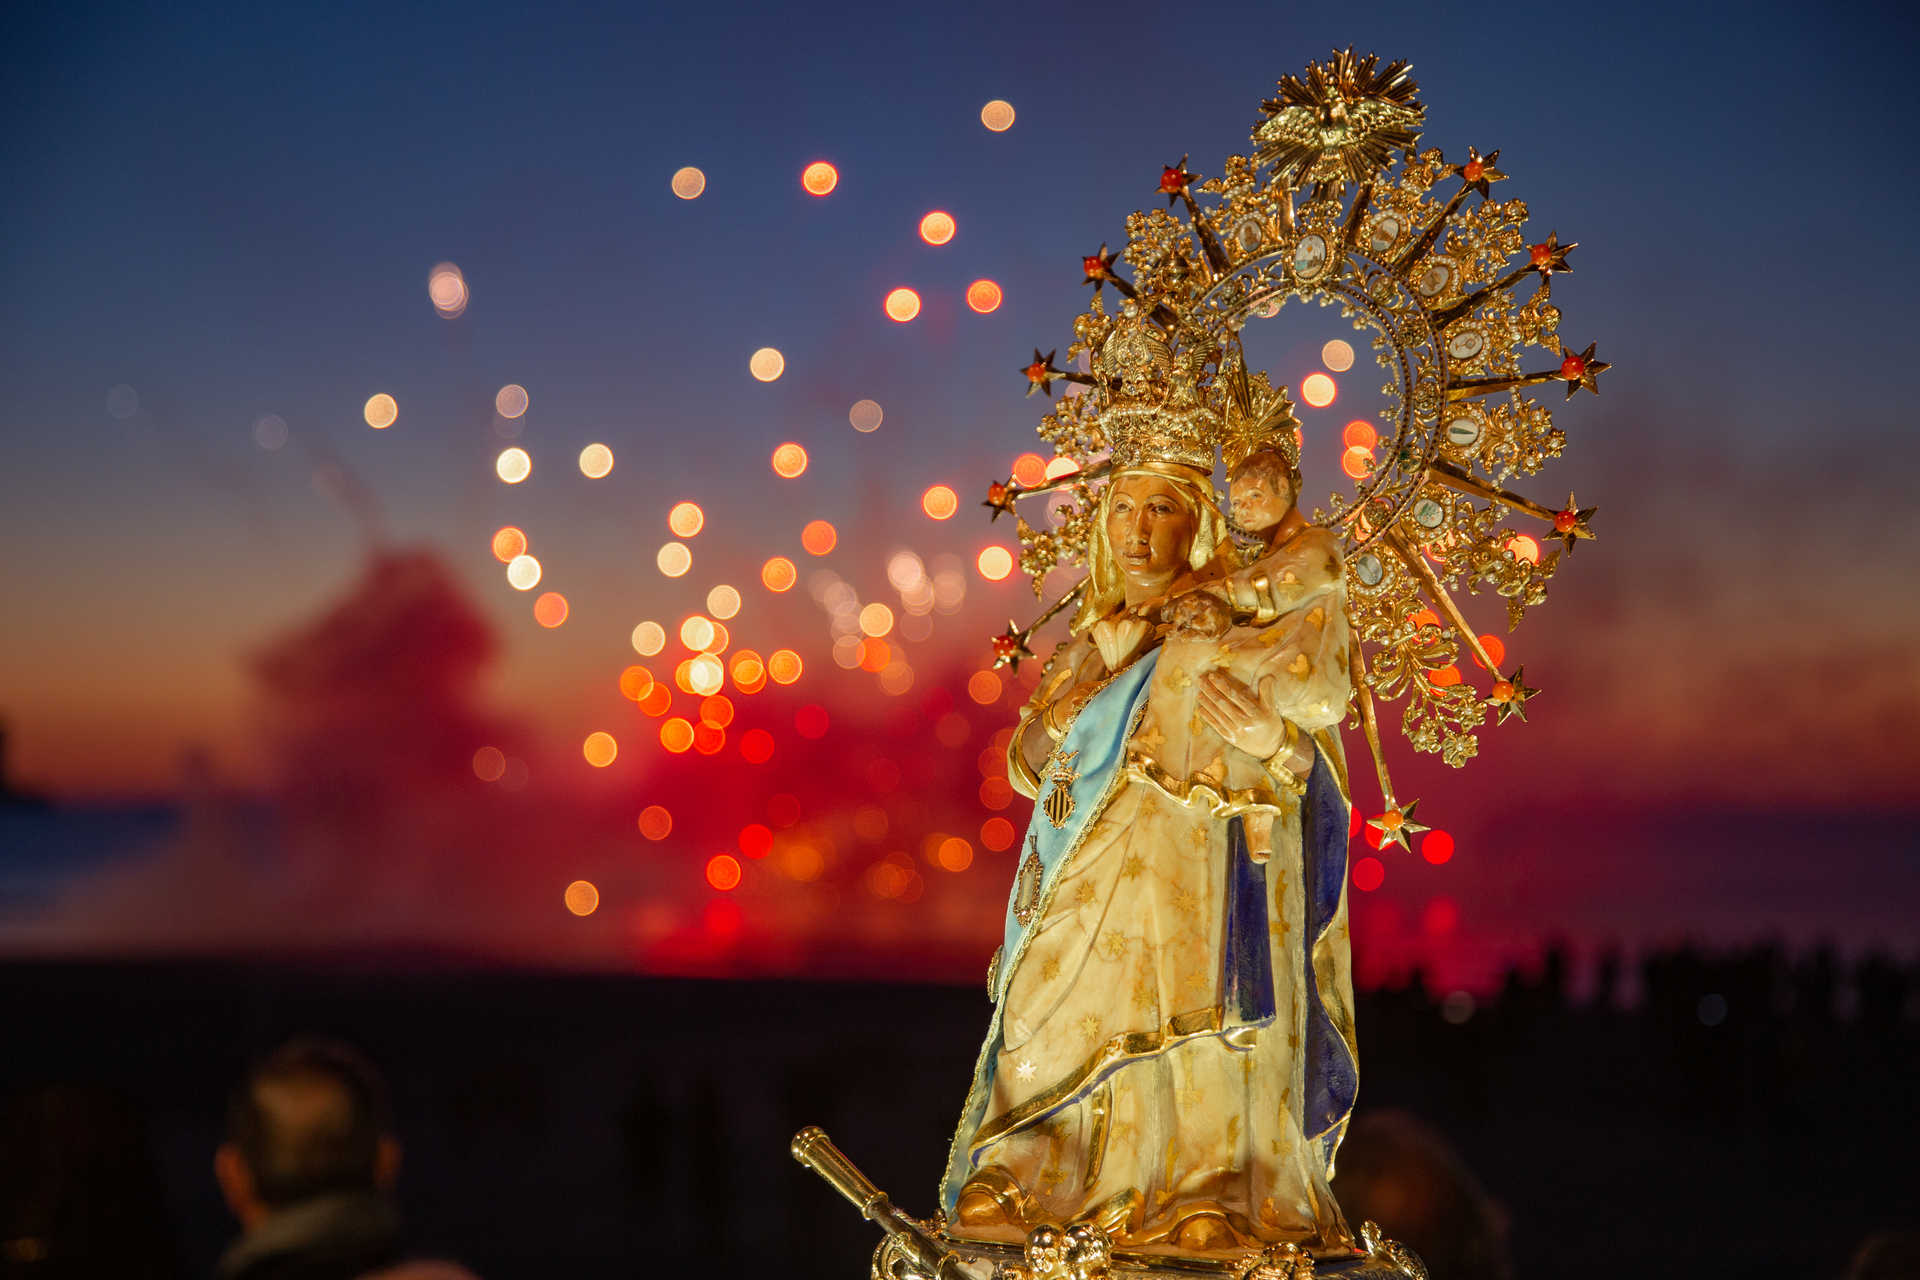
<point>1152,405</point>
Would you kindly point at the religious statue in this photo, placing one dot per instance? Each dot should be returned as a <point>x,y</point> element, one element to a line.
<point>1170,1063</point>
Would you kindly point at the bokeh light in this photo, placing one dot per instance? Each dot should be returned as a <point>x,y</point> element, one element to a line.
<point>599,749</point>
<point>819,178</point>
<point>1058,467</point>
<point>767,364</point>
<point>996,793</point>
<point>874,654</point>
<point>1369,874</point>
<point>984,687</point>
<point>510,401</point>
<point>749,672</point>
<point>447,288</point>
<point>1496,649</point>
<point>1445,677</point>
<point>903,304</point>
<point>865,416</point>
<point>657,700</point>
<point>937,227</point>
<point>489,764</point>
<point>756,746</point>
<point>1357,461</point>
<point>983,296</point>
<point>582,898</point>
<point>1436,847</point>
<point>994,563</point>
<point>996,834</point>
<point>382,411</point>
<point>674,559</point>
<point>997,115</point>
<point>270,431</point>
<point>513,465</point>
<point>705,675</point>
<point>523,572</point>
<point>636,683</point>
<point>789,460</point>
<point>688,183</point>
<point>508,542</point>
<point>596,460</point>
<point>1337,355</point>
<point>818,537</point>
<point>723,601</point>
<point>723,871</point>
<point>954,854</point>
<point>778,574</point>
<point>717,710</point>
<point>1317,389</point>
<point>756,840</point>
<point>1524,548</point>
<point>1359,434</point>
<point>811,721</point>
<point>550,610</point>
<point>686,519</point>
<point>783,666</point>
<point>940,502</point>
<point>696,633</point>
<point>1029,469</point>
<point>656,822</point>
<point>876,619</point>
<point>649,638</point>
<point>676,735</point>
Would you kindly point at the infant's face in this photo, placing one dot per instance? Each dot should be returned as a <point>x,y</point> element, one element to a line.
<point>1257,503</point>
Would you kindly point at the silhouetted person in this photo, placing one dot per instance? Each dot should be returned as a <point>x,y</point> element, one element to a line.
<point>1397,1172</point>
<point>308,1168</point>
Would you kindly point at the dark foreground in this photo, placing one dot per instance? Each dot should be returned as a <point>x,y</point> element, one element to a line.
<point>596,1126</point>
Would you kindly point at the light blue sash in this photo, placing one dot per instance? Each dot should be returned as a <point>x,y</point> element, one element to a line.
<point>1094,750</point>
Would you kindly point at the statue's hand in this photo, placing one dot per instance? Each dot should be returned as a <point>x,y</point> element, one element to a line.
<point>1235,712</point>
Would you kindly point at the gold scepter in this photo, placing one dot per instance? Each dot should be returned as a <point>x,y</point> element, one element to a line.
<point>812,1148</point>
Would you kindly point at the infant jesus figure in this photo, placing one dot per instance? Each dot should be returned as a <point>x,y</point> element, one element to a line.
<point>1253,666</point>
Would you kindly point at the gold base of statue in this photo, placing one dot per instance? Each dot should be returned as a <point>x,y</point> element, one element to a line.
<point>924,1250</point>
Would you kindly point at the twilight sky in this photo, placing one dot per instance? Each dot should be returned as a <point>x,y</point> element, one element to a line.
<point>233,213</point>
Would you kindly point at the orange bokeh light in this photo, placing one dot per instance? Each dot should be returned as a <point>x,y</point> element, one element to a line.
<point>696,632</point>
<point>508,542</point>
<point>721,638</point>
<point>903,304</point>
<point>784,666</point>
<point>940,502</point>
<point>984,687</point>
<point>1359,434</point>
<point>819,178</point>
<point>996,793</point>
<point>789,460</point>
<point>1445,676</point>
<point>1357,462</point>
<point>937,227</point>
<point>778,574</point>
<point>489,764</point>
<point>983,296</point>
<point>1496,649</point>
<point>717,711</point>
<point>656,823</point>
<point>686,519</point>
<point>656,700</point>
<point>756,746</point>
<point>673,559</point>
<point>708,738</point>
<point>676,735</point>
<point>749,672</point>
<point>1058,467</point>
<point>1317,389</point>
<point>582,898</point>
<point>996,834</point>
<point>819,537</point>
<point>550,610</point>
<point>599,749</point>
<point>1524,548</point>
<point>997,115</point>
<point>705,675</point>
<point>875,654</point>
<point>1029,469</point>
<point>994,563</point>
<point>723,871</point>
<point>955,854</point>
<point>756,840</point>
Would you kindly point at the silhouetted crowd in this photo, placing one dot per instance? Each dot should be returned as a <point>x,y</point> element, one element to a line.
<point>1745,1113</point>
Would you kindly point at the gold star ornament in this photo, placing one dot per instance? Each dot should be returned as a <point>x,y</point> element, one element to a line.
<point>1396,825</point>
<point>1508,697</point>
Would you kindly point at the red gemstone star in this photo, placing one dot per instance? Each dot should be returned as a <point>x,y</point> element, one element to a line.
<point>1478,171</point>
<point>1000,496</point>
<point>1551,256</point>
<point>1041,373</point>
<point>1009,647</point>
<point>1395,825</point>
<point>1509,696</point>
<point>1099,267</point>
<point>1174,180</point>
<point>1581,370</point>
<point>1570,523</point>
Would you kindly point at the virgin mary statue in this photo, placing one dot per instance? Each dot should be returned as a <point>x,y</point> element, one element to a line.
<point>1170,1056</point>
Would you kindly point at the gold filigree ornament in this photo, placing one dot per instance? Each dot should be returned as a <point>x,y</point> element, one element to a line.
<point>1337,205</point>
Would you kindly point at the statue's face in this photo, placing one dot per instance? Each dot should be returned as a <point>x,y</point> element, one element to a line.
<point>1259,499</point>
<point>1150,530</point>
